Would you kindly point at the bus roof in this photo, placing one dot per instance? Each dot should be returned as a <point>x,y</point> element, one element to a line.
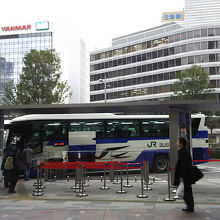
<point>43,117</point>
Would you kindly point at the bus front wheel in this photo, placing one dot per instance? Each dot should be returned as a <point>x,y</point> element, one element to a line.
<point>160,164</point>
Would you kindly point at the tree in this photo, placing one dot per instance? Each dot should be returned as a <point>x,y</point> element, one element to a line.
<point>193,84</point>
<point>40,81</point>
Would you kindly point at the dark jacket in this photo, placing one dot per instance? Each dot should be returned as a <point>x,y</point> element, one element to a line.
<point>184,168</point>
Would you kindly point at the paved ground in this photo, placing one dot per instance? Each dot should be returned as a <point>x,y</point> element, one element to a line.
<point>60,202</point>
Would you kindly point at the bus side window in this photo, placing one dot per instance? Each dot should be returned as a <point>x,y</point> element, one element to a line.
<point>88,125</point>
<point>155,128</point>
<point>54,131</point>
<point>123,129</point>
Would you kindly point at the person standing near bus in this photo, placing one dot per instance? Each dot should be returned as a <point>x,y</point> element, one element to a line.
<point>11,166</point>
<point>184,172</point>
<point>27,155</point>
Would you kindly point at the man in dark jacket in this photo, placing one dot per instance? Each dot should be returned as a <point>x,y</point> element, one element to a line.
<point>184,172</point>
<point>13,174</point>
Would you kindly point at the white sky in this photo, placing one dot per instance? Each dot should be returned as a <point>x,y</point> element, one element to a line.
<point>97,21</point>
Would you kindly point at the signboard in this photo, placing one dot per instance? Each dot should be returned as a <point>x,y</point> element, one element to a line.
<point>173,16</point>
<point>43,25</point>
<point>16,28</point>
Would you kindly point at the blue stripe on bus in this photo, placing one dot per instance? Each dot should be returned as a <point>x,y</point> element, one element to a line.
<point>200,134</point>
<point>89,147</point>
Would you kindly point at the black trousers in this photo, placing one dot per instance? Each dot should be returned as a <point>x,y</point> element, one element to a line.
<point>13,179</point>
<point>188,195</point>
<point>12,185</point>
<point>6,178</point>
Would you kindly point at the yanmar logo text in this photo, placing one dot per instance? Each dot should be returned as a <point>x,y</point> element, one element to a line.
<point>16,28</point>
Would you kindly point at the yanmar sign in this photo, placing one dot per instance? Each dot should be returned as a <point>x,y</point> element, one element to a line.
<point>16,28</point>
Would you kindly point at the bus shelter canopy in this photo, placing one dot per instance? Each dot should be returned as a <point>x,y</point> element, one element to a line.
<point>113,107</point>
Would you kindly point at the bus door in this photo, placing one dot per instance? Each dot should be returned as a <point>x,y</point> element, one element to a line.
<point>82,146</point>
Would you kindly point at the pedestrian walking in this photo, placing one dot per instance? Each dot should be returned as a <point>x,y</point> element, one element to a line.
<point>27,155</point>
<point>11,166</point>
<point>184,172</point>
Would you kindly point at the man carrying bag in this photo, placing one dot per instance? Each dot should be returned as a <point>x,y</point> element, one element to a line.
<point>184,171</point>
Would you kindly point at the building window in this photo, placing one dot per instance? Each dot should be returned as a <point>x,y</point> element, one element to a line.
<point>177,37</point>
<point>177,50</point>
<point>198,59</point>
<point>211,32</point>
<point>204,45</point>
<point>191,60</point>
<point>189,34</point>
<point>166,76</point>
<point>178,61</point>
<point>171,39</point>
<point>212,70</point>
<point>211,57</point>
<point>190,47</point>
<point>183,36</point>
<point>183,48</point>
<point>160,77</point>
<point>211,45</point>
<point>197,33</point>
<point>217,31</point>
<point>204,32</point>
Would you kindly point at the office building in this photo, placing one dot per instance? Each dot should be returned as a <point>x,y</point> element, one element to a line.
<point>202,12</point>
<point>17,40</point>
<point>143,65</point>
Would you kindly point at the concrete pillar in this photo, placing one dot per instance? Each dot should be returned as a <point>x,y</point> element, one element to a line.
<point>174,132</point>
<point>1,140</point>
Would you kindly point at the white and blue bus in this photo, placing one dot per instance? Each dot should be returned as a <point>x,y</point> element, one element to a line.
<point>102,137</point>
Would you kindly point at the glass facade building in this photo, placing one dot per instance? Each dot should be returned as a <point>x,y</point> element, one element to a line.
<point>14,45</point>
<point>143,65</point>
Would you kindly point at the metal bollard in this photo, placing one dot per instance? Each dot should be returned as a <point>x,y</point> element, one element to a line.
<point>84,182</point>
<point>101,177</point>
<point>78,180</point>
<point>88,178</point>
<point>82,193</point>
<point>50,176</point>
<point>146,176</point>
<point>55,178</point>
<point>104,187</point>
<point>142,195</point>
<point>168,183</point>
<point>75,181</point>
<point>127,184</point>
<point>38,191</point>
<point>117,180</point>
<point>41,180</point>
<point>121,191</point>
<point>111,175</point>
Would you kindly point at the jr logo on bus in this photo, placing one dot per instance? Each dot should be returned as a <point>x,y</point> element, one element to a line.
<point>154,144</point>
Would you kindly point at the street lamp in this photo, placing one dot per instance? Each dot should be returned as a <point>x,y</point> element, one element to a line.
<point>105,86</point>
